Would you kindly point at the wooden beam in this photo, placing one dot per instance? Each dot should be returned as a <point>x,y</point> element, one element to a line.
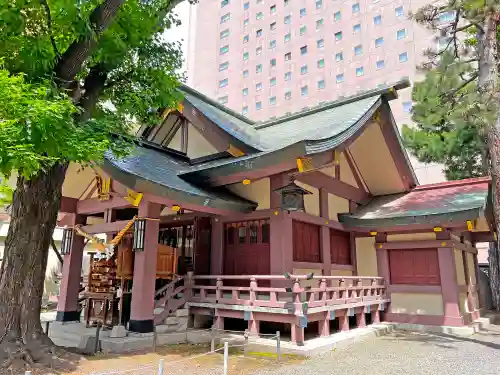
<point>482,237</point>
<point>68,205</point>
<point>355,170</point>
<point>333,186</point>
<point>255,174</point>
<point>113,227</point>
<point>389,131</point>
<point>400,245</point>
<point>94,205</point>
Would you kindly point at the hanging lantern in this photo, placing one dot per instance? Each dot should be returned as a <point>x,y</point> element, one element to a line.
<point>139,234</point>
<point>67,241</point>
<point>292,197</point>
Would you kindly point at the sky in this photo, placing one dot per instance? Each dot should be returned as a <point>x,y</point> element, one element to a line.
<point>181,33</point>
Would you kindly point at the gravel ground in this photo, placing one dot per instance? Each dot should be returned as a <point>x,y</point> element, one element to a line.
<point>408,353</point>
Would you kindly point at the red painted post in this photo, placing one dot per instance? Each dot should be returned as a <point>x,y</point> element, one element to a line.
<point>217,250</point>
<point>449,286</point>
<point>218,292</point>
<point>376,314</point>
<point>296,292</point>
<point>67,305</point>
<point>297,335</point>
<point>344,322</point>
<point>218,322</point>
<point>360,317</point>
<point>323,294</point>
<point>143,288</point>
<point>324,325</point>
<point>253,291</point>
<point>253,325</point>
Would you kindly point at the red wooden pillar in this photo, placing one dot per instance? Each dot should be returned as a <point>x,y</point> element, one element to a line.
<point>281,246</point>
<point>254,326</point>
<point>360,317</point>
<point>67,305</point>
<point>325,233</point>
<point>217,250</point>
<point>449,286</point>
<point>297,335</point>
<point>324,325</point>
<point>383,266</point>
<point>143,288</point>
<point>375,314</point>
<point>343,321</point>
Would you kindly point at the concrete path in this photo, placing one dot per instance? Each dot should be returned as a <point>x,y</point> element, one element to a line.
<point>408,353</point>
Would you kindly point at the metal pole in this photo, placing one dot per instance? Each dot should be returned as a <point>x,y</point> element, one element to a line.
<point>97,331</point>
<point>161,367</point>
<point>212,341</point>
<point>226,356</point>
<point>278,345</point>
<point>245,347</point>
<point>154,338</point>
<point>47,323</point>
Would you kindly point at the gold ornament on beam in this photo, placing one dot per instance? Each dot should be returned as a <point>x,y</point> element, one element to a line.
<point>133,198</point>
<point>103,188</point>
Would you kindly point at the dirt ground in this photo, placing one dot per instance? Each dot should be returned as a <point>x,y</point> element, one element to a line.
<point>176,361</point>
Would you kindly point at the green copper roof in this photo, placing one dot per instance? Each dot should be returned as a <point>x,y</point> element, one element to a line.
<point>433,204</point>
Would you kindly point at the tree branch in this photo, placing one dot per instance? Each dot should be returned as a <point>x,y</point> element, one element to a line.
<point>49,26</point>
<point>462,85</point>
<point>71,62</point>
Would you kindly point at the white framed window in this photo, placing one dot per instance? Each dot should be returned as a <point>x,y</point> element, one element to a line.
<point>272,26</point>
<point>356,8</point>
<point>288,20</point>
<point>303,12</point>
<point>304,91</point>
<point>272,9</point>
<point>319,4</point>
<point>320,43</point>
<point>244,110</point>
<point>259,16</point>
<point>339,56</point>
<point>403,57</point>
<point>258,86</point>
<point>339,78</point>
<point>272,44</point>
<point>223,82</point>
<point>360,71</point>
<point>224,34</point>
<point>226,17</point>
<point>302,30</point>
<point>303,50</point>
<point>380,64</point>
<point>258,106</point>
<point>272,81</point>
<point>399,11</point>
<point>379,42</point>
<point>401,34</point>
<point>358,50</point>
<point>245,91</point>
<point>258,33</point>
<point>321,84</point>
<point>356,28</point>
<point>224,49</point>
<point>272,100</point>
<point>338,35</point>
<point>272,63</point>
<point>245,56</point>
<point>246,21</point>
<point>288,76</point>
<point>258,51</point>
<point>246,38</point>
<point>246,6</point>
<point>319,24</point>
<point>377,20</point>
<point>245,73</point>
<point>303,69</point>
<point>288,56</point>
<point>223,66</point>
<point>337,16</point>
<point>288,95</point>
<point>258,68</point>
<point>320,63</point>
<point>223,3</point>
<point>288,37</point>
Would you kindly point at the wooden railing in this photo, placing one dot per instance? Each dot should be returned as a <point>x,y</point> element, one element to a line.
<point>323,291</point>
<point>171,297</point>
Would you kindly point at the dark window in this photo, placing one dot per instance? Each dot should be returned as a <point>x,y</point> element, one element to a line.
<point>265,232</point>
<point>252,229</point>
<point>306,242</point>
<point>417,267</point>
<point>230,231</point>
<point>242,234</point>
<point>340,247</point>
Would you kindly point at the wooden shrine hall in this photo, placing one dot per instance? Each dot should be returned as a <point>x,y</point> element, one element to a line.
<point>314,221</point>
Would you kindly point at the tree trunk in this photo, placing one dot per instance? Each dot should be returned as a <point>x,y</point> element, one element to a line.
<point>33,218</point>
<point>487,82</point>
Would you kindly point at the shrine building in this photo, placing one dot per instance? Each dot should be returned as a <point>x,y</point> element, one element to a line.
<point>313,223</point>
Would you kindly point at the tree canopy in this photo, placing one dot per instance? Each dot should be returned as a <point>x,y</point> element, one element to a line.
<point>129,75</point>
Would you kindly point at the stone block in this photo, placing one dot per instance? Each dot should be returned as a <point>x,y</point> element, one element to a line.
<point>171,320</point>
<point>171,338</point>
<point>118,331</point>
<point>182,313</point>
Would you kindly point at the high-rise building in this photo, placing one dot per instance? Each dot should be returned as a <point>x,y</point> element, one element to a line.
<point>267,58</point>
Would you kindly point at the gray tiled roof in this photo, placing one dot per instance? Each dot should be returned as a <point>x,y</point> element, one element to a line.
<point>150,165</point>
